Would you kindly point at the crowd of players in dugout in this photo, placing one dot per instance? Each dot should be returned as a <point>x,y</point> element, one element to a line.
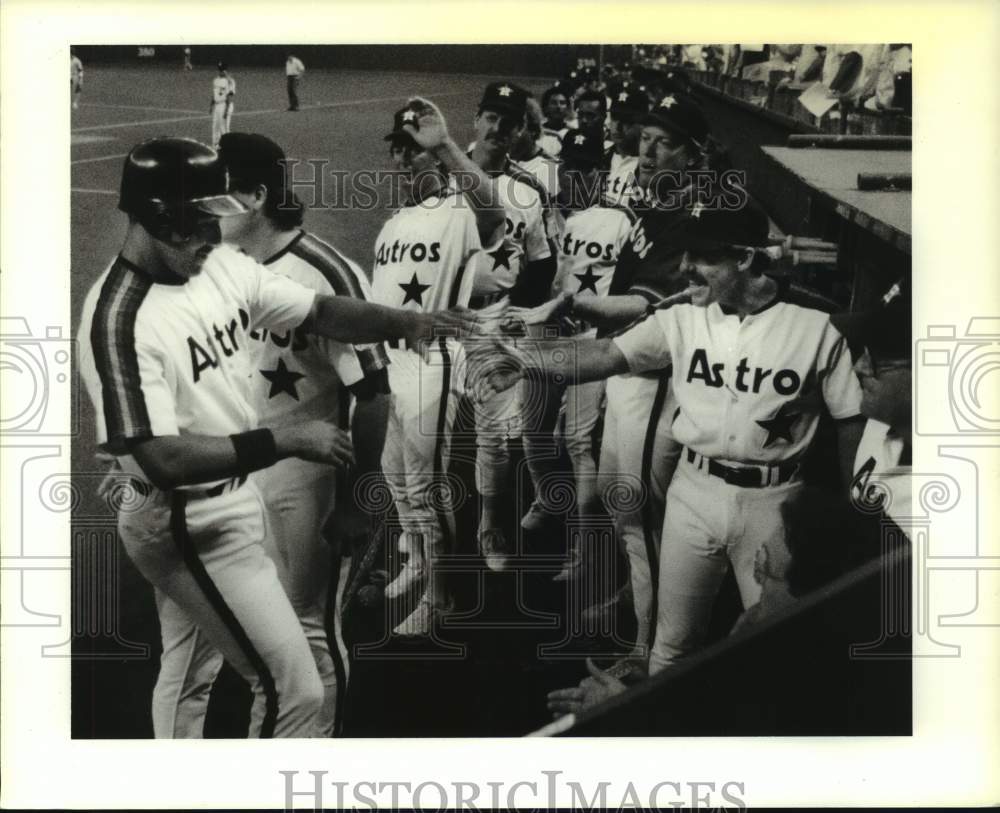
<point>241,381</point>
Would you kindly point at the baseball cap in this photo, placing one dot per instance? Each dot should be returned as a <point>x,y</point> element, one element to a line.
<point>253,158</point>
<point>223,66</point>
<point>582,147</point>
<point>710,228</point>
<point>405,115</point>
<point>629,103</point>
<point>679,113</point>
<point>505,98</point>
<point>886,331</point>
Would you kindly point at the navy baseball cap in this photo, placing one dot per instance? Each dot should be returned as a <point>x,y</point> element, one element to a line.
<point>709,228</point>
<point>629,103</point>
<point>405,115</point>
<point>251,158</point>
<point>505,98</point>
<point>680,114</point>
<point>582,147</point>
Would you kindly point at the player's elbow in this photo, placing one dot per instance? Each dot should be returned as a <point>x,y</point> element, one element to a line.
<point>160,462</point>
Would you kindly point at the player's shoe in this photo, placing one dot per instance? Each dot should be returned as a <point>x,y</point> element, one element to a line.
<point>537,517</point>
<point>493,547</point>
<point>422,620</point>
<point>414,572</point>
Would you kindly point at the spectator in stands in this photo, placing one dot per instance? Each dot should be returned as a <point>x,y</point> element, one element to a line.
<point>809,67</point>
<point>783,58</point>
<point>851,71</point>
<point>892,88</point>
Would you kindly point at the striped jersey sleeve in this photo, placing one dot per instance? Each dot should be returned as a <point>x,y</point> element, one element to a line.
<point>126,377</point>
<point>346,278</point>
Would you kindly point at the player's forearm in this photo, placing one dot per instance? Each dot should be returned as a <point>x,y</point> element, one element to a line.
<point>609,311</point>
<point>479,189</point>
<point>849,434</point>
<point>573,361</point>
<point>368,429</point>
<point>172,461</point>
<point>354,321</point>
<point>534,283</point>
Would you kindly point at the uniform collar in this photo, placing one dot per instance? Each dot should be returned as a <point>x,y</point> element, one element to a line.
<point>780,295</point>
<point>288,247</point>
<point>169,278</point>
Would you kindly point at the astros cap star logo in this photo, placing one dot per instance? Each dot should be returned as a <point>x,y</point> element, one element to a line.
<point>668,101</point>
<point>579,140</point>
<point>697,209</point>
<point>409,115</point>
<point>505,90</point>
<point>623,96</point>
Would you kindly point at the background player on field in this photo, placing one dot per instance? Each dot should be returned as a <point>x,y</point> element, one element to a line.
<point>164,356</point>
<point>298,377</point>
<point>529,154</point>
<point>556,108</point>
<point>520,271</point>
<point>749,410</point>
<point>75,78</point>
<point>293,75</point>
<point>422,259</point>
<point>221,107</point>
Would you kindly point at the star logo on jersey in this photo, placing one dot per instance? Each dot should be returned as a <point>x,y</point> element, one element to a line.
<point>409,115</point>
<point>501,256</point>
<point>579,140</point>
<point>779,427</point>
<point>505,90</point>
<point>282,380</point>
<point>414,291</point>
<point>668,101</point>
<point>588,280</point>
<point>697,209</point>
<point>623,96</point>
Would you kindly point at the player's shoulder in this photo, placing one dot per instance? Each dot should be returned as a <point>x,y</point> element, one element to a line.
<point>520,175</point>
<point>618,211</point>
<point>323,262</point>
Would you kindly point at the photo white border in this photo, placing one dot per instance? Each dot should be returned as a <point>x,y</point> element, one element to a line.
<point>953,755</point>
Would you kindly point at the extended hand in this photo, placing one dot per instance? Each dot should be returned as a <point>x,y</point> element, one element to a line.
<point>431,131</point>
<point>455,323</point>
<point>592,690</point>
<point>319,441</point>
<point>546,312</point>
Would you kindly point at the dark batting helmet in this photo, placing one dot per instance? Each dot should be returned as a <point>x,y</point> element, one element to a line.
<point>172,185</point>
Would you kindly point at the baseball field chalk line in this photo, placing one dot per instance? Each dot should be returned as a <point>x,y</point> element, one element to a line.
<point>141,107</point>
<point>94,191</point>
<point>238,114</point>
<point>99,158</point>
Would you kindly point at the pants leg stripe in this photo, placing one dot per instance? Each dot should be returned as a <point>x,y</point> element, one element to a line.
<point>648,520</point>
<point>178,528</point>
<point>442,425</point>
<point>330,623</point>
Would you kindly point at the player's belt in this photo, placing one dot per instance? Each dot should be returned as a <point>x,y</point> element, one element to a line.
<point>145,489</point>
<point>744,476</point>
<point>483,300</point>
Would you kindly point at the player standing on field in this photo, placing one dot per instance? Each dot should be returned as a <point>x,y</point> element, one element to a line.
<point>520,271</point>
<point>299,377</point>
<point>422,259</point>
<point>293,74</point>
<point>221,107</point>
<point>75,78</point>
<point>752,373</point>
<point>164,356</point>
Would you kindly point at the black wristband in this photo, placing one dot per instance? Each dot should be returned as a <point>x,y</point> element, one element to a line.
<point>255,450</point>
<point>376,383</point>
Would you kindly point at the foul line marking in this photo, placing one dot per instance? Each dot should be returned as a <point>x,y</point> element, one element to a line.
<point>142,107</point>
<point>94,191</point>
<point>238,114</point>
<point>99,158</point>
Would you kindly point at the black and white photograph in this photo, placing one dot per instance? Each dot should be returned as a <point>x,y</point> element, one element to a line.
<point>620,382</point>
<point>431,395</point>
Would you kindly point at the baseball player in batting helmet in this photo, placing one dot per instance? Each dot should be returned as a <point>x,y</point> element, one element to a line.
<point>164,338</point>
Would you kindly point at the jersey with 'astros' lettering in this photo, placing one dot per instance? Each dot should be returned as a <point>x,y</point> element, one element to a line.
<point>173,359</point>
<point>298,375</point>
<point>749,391</point>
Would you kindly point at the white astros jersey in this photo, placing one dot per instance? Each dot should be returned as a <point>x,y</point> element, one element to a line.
<point>750,391</point>
<point>588,249</point>
<point>620,187</point>
<point>173,359</point>
<point>546,169</point>
<point>297,375</point>
<point>423,254</point>
<point>222,86</point>
<point>525,239</point>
